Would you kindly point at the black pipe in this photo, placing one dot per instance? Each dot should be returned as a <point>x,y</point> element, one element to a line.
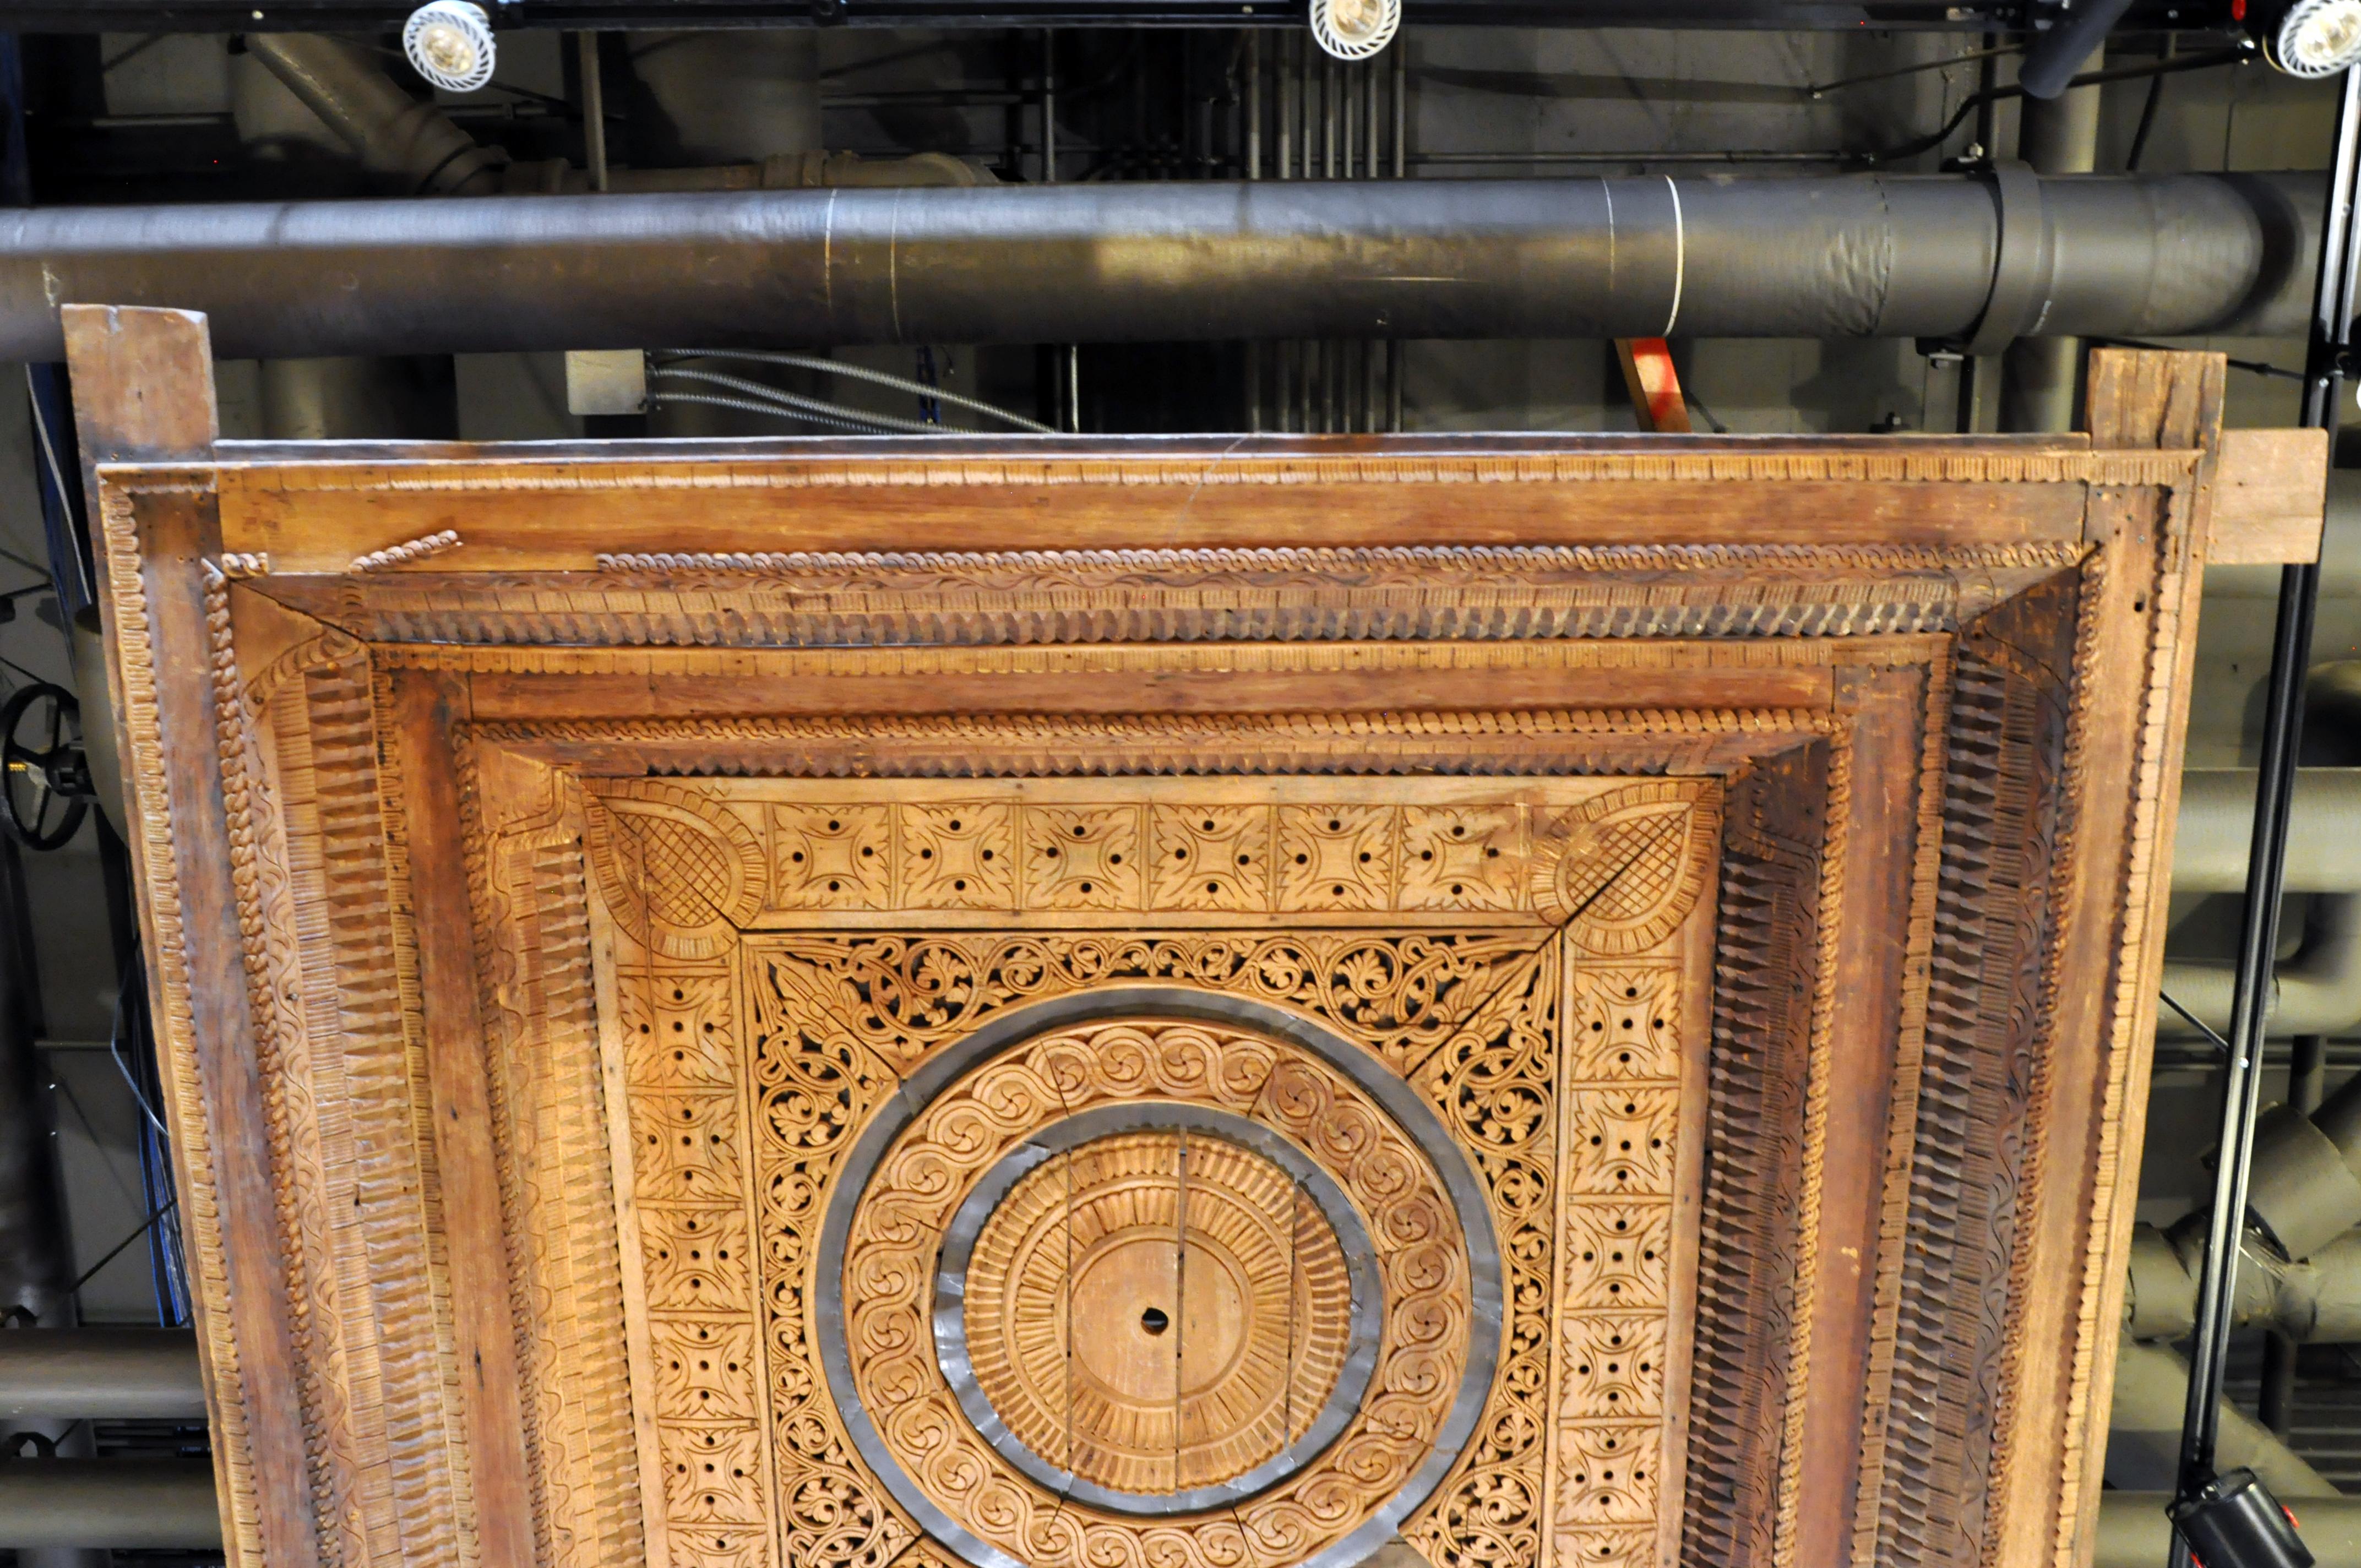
<point>1850,255</point>
<point>2054,56</point>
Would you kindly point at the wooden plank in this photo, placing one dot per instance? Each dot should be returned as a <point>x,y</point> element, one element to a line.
<point>426,708</point>
<point>1853,1074</point>
<point>254,1355</point>
<point>510,524</point>
<point>143,387</point>
<point>2270,492</point>
<point>1649,375</point>
<point>1697,959</point>
<point>137,397</point>
<point>1177,691</point>
<point>2076,1242</point>
<point>143,390</point>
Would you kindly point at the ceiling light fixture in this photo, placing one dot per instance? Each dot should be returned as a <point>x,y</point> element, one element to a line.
<point>2312,38</point>
<point>1355,30</point>
<point>450,42</point>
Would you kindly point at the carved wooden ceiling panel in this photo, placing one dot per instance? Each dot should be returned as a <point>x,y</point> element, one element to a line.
<point>1587,1011</point>
<point>1176,1226</point>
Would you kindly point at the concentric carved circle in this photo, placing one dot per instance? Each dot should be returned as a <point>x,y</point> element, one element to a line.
<point>1072,1121</point>
<point>1157,1308</point>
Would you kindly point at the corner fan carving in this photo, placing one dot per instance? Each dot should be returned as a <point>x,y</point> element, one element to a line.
<point>679,870</point>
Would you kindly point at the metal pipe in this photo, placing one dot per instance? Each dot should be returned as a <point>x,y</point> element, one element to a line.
<point>36,1267</point>
<point>1400,95</point>
<point>2144,1428</point>
<point>1305,139</point>
<point>1282,108</point>
<point>1858,256</point>
<point>1350,121</point>
<point>2317,991</point>
<point>1254,91</point>
<point>2039,374</point>
<point>1328,119</point>
<point>594,110</point>
<point>1048,107</point>
<point>2054,58</point>
<point>101,1375</point>
<point>2314,1300</point>
<point>2307,1086</point>
<point>407,139</point>
<point>2217,814</point>
<point>117,1504</point>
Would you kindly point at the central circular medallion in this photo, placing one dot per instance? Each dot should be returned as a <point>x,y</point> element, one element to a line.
<point>1147,1273</point>
<point>1157,1316</point>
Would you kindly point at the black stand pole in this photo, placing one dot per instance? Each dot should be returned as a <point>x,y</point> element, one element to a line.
<point>2324,386</point>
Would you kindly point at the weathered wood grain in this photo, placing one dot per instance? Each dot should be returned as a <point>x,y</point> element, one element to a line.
<point>144,389</point>
<point>475,1235</point>
<point>2270,488</point>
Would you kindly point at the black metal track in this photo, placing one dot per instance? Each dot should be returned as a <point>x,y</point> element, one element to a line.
<point>2328,373</point>
<point>308,16</point>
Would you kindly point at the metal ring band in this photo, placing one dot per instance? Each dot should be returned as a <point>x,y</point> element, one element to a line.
<point>1468,1197</point>
<point>1101,1121</point>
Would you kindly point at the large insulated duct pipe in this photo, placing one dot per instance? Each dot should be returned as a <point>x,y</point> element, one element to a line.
<point>2217,817</point>
<point>2316,1300</point>
<point>409,139</point>
<point>2144,1428</point>
<point>101,1375</point>
<point>123,1504</point>
<point>2317,991</point>
<point>1847,255</point>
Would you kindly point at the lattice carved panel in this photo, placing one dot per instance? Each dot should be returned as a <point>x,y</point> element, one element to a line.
<point>1176,1305</point>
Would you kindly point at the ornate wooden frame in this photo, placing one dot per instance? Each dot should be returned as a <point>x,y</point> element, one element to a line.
<point>470,778</point>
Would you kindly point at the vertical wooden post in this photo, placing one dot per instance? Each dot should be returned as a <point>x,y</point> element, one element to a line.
<point>2139,596</point>
<point>1654,385</point>
<point>475,1242</point>
<point>144,391</point>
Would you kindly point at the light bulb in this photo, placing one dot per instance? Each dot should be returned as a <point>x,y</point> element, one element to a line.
<point>1355,30</point>
<point>2317,37</point>
<point>450,42</point>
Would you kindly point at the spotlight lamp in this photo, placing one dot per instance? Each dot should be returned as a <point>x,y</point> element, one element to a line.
<point>450,42</point>
<point>2233,1521</point>
<point>1355,30</point>
<point>2308,38</point>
